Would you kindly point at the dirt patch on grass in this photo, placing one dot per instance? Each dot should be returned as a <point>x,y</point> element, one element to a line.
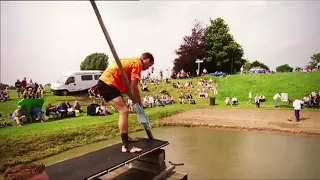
<point>249,119</point>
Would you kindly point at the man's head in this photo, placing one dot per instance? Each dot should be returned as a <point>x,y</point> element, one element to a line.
<point>147,59</point>
<point>26,172</point>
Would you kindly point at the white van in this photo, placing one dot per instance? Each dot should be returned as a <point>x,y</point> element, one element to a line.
<point>75,81</point>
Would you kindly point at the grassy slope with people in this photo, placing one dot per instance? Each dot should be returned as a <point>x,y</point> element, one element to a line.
<point>39,140</point>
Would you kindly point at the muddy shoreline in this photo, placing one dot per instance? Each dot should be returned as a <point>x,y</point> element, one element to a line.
<point>260,120</point>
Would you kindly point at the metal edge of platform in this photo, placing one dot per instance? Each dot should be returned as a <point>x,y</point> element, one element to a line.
<point>124,163</point>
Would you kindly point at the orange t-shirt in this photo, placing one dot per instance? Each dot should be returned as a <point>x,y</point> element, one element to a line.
<point>112,75</point>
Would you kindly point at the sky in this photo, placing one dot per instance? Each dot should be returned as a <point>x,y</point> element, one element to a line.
<point>44,40</point>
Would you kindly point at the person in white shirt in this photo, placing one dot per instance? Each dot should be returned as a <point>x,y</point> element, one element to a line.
<point>151,101</point>
<point>275,99</point>
<point>250,98</point>
<point>297,104</point>
<point>234,101</point>
<point>257,100</point>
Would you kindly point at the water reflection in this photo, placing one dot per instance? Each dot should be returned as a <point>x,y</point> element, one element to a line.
<point>209,153</point>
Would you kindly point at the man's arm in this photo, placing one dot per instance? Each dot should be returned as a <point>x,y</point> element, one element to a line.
<point>135,90</point>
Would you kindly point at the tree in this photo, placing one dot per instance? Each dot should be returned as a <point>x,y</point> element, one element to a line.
<point>222,52</point>
<point>315,59</point>
<point>191,49</point>
<point>284,68</point>
<point>247,65</point>
<point>259,64</point>
<point>95,61</point>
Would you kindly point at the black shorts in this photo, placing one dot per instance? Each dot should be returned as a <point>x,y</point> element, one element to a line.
<point>108,92</point>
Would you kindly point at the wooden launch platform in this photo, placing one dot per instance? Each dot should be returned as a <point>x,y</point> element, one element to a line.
<point>148,164</point>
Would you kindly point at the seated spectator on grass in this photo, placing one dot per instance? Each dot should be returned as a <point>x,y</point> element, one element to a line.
<point>77,106</point>
<point>167,80</point>
<point>70,110</point>
<point>227,101</point>
<point>103,109</point>
<point>145,101</point>
<point>181,97</point>
<point>130,105</point>
<point>51,111</point>
<point>151,101</point>
<point>234,101</point>
<point>159,101</point>
<point>29,93</point>
<point>26,172</point>
<point>262,98</point>
<point>190,99</point>
<point>164,92</point>
<point>36,113</point>
<point>145,87</point>
<point>19,115</point>
<point>176,85</point>
<point>4,94</point>
<point>201,94</point>
<point>91,93</point>
<point>307,100</point>
<point>1,98</point>
<point>172,100</point>
<point>61,110</point>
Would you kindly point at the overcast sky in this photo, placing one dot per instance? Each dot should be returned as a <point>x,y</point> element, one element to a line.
<point>43,40</point>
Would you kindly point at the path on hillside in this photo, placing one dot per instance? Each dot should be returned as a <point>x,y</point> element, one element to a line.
<point>251,119</point>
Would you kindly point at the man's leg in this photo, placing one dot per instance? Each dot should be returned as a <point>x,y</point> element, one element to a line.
<point>296,113</point>
<point>119,104</point>
<point>18,121</point>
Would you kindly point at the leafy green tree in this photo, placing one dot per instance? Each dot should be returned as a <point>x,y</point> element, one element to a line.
<point>191,49</point>
<point>315,59</point>
<point>95,61</point>
<point>284,68</point>
<point>259,64</point>
<point>247,66</point>
<point>222,52</point>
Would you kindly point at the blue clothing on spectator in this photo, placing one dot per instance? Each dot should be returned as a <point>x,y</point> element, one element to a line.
<point>60,108</point>
<point>36,110</point>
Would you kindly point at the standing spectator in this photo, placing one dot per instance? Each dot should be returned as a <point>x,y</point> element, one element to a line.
<point>18,86</point>
<point>24,84</point>
<point>257,100</point>
<point>297,104</point>
<point>275,99</point>
<point>250,98</point>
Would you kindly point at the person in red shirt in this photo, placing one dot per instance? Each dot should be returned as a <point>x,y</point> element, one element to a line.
<point>111,85</point>
<point>24,84</point>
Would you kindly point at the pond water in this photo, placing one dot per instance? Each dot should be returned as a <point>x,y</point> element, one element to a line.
<point>210,153</point>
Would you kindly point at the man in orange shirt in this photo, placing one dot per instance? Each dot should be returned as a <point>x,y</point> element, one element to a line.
<point>111,85</point>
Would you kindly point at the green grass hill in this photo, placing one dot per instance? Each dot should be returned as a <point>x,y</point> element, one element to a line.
<point>38,140</point>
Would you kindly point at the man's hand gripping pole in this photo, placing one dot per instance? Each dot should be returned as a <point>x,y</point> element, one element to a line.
<point>143,119</point>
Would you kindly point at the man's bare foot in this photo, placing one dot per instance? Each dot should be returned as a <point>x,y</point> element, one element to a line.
<point>132,139</point>
<point>131,149</point>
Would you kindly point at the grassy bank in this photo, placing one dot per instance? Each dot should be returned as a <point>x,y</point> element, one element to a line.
<point>35,141</point>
